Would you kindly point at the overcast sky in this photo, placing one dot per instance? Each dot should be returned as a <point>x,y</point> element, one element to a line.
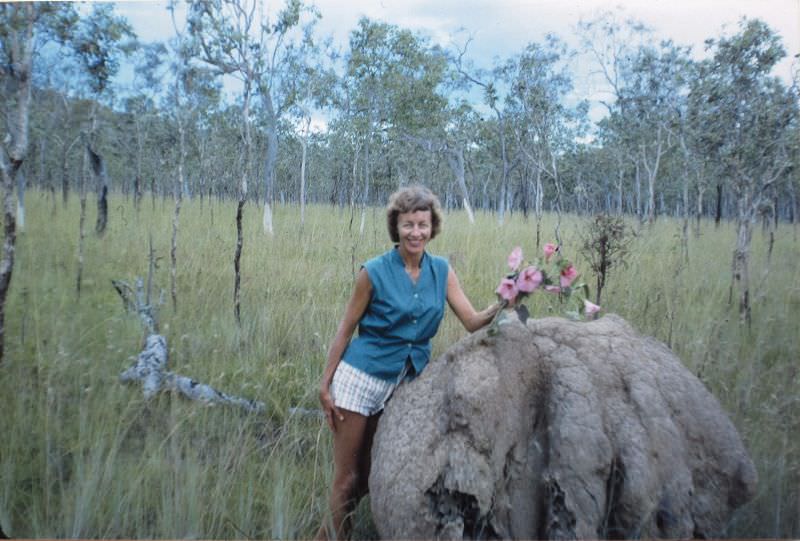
<point>501,28</point>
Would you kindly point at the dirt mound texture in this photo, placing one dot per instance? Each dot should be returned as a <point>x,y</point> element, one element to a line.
<point>554,429</point>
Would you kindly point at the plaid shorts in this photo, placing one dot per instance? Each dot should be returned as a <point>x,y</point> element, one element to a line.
<point>355,390</point>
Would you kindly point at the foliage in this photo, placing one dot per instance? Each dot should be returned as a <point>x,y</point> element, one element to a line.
<point>98,41</point>
<point>605,246</point>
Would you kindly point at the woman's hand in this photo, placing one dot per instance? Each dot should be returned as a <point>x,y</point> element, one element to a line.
<point>328,407</point>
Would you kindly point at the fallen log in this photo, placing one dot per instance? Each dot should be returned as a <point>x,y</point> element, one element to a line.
<point>150,368</point>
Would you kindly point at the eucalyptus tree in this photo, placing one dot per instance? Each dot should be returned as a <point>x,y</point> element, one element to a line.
<point>229,37</point>
<point>289,51</point>
<point>491,83</point>
<point>750,121</point>
<point>313,78</point>
<point>545,125</point>
<point>99,41</point>
<point>611,42</point>
<point>393,96</point>
<point>238,39</point>
<point>650,100</point>
<point>141,106</point>
<point>24,27</point>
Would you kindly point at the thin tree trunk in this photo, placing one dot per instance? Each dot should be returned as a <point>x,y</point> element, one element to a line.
<point>64,178</point>
<point>718,215</point>
<point>686,216</point>
<point>741,255</point>
<point>304,143</point>
<point>240,208</point>
<point>9,171</point>
<point>538,207</point>
<point>638,192</point>
<point>19,43</point>
<point>237,263</point>
<point>20,201</point>
<point>365,193</point>
<point>455,158</point>
<point>178,195</point>
<point>504,189</point>
<point>82,218</point>
<point>269,165</point>
<point>353,187</point>
<point>101,178</point>
<point>99,172</point>
<point>137,181</point>
<point>700,192</point>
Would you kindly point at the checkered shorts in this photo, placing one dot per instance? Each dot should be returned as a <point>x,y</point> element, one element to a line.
<point>355,390</point>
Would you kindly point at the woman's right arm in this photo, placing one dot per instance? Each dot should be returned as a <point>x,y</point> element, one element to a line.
<point>362,292</point>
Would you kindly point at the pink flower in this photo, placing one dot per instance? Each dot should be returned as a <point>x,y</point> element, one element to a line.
<point>568,275</point>
<point>549,250</point>
<point>507,289</point>
<point>515,258</point>
<point>552,289</point>
<point>590,308</point>
<point>529,279</point>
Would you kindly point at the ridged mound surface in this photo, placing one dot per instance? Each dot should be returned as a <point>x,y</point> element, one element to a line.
<point>557,430</point>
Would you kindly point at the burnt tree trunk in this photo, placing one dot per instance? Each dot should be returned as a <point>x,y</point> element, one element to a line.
<point>98,167</point>
<point>740,264</point>
<point>237,258</point>
<point>237,280</point>
<point>82,218</point>
<point>9,239</point>
<point>178,195</point>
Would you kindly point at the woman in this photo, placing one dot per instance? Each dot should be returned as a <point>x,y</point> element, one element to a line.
<point>397,304</point>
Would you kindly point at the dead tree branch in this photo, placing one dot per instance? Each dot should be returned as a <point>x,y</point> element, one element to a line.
<point>150,368</point>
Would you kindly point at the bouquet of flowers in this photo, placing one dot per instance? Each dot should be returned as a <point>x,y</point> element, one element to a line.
<point>557,277</point>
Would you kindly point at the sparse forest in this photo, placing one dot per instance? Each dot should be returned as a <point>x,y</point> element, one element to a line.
<point>246,217</point>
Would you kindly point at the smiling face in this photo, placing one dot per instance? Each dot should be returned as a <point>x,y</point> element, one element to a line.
<point>414,230</point>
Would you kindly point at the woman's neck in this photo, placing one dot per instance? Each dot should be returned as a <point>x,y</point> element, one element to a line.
<point>411,261</point>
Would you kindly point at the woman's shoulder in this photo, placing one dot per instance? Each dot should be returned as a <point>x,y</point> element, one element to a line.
<point>378,262</point>
<point>439,262</point>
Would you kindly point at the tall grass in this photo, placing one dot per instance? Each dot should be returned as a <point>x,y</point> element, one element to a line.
<point>83,456</point>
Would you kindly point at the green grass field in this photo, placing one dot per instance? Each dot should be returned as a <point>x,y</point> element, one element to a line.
<point>83,456</point>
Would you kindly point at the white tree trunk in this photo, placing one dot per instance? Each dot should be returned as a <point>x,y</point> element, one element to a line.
<point>267,223</point>
<point>20,217</point>
<point>304,143</point>
<point>455,158</point>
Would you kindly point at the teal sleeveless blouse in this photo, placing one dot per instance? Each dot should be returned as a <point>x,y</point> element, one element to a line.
<point>401,318</point>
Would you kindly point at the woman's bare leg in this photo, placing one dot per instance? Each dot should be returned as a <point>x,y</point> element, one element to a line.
<point>348,449</point>
<point>365,464</point>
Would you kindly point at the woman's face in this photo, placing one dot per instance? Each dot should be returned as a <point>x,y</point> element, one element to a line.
<point>414,229</point>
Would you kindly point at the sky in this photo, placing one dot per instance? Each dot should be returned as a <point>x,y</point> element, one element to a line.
<point>499,29</point>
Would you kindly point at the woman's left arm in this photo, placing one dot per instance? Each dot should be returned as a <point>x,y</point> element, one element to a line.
<point>459,303</point>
